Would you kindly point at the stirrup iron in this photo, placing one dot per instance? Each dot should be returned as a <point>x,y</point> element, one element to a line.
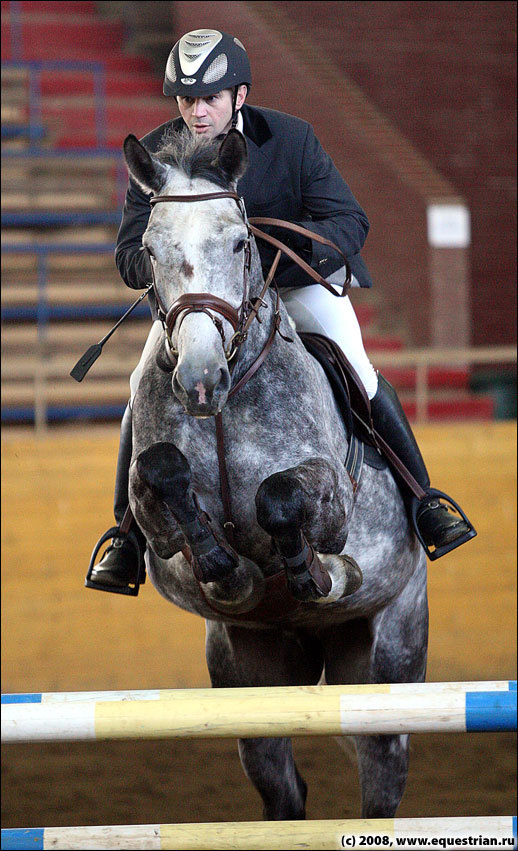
<point>436,553</point>
<point>130,589</point>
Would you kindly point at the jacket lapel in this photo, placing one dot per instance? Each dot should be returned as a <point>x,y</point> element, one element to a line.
<point>257,133</point>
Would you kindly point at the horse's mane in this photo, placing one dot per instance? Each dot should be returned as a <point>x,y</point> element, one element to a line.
<point>193,155</point>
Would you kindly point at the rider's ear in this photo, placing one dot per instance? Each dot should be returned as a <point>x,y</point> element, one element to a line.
<point>149,172</point>
<point>233,155</point>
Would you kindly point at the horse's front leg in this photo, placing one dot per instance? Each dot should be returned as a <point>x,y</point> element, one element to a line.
<point>304,509</point>
<point>161,482</point>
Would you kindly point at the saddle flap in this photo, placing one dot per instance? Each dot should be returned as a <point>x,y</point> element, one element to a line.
<point>347,388</point>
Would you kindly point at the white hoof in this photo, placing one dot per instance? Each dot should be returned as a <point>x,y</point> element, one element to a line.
<point>345,575</point>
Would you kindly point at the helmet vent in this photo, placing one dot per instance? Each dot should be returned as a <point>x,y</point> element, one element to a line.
<point>195,47</point>
<point>239,44</point>
<point>216,69</point>
<point>170,69</point>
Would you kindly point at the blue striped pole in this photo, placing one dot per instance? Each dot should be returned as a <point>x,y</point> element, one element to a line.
<point>282,711</point>
<point>270,835</point>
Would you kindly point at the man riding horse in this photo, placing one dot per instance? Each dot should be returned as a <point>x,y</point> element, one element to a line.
<point>292,178</point>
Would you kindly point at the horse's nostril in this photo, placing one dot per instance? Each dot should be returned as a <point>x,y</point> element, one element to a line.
<point>202,387</point>
<point>224,381</point>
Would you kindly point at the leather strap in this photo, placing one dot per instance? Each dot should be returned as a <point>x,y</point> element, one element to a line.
<point>396,462</point>
<point>223,480</point>
<point>196,302</point>
<point>259,360</point>
<point>208,196</point>
<point>127,521</point>
<point>260,220</point>
<point>295,257</point>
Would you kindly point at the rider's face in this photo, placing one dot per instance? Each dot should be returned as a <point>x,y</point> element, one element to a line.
<point>212,115</point>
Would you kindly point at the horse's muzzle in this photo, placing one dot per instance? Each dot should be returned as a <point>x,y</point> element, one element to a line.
<point>203,390</point>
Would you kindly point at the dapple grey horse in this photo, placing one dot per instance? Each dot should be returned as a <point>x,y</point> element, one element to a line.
<point>354,608</point>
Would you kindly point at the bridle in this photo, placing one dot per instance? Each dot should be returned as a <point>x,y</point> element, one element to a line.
<point>241,319</point>
<point>209,304</point>
<point>206,302</point>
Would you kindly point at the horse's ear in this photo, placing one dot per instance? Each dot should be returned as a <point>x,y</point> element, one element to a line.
<point>149,172</point>
<point>233,155</point>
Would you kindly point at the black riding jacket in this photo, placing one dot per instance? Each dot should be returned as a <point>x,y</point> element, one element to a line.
<point>289,177</point>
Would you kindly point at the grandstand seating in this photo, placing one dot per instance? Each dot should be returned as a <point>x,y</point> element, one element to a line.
<point>69,97</point>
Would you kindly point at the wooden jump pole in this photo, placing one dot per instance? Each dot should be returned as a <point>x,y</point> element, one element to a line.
<point>333,834</point>
<point>244,713</point>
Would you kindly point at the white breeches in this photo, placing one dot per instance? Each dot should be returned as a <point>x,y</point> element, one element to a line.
<point>314,309</point>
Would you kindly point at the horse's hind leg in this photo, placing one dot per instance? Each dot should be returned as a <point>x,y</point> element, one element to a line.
<point>389,649</point>
<point>303,509</point>
<point>239,657</point>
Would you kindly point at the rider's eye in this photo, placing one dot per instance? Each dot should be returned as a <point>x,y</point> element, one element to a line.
<point>240,244</point>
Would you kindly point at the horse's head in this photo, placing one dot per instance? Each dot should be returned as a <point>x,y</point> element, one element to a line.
<point>200,256</point>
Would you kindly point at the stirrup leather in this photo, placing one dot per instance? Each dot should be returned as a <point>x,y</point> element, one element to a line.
<point>436,553</point>
<point>132,588</point>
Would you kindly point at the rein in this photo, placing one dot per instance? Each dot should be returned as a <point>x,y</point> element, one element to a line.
<point>242,319</point>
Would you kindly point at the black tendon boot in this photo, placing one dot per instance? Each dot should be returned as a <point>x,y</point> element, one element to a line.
<point>121,568</point>
<point>438,527</point>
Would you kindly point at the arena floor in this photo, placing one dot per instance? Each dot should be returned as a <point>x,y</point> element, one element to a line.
<point>56,635</point>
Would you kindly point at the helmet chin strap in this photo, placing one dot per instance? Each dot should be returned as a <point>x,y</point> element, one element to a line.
<point>234,112</point>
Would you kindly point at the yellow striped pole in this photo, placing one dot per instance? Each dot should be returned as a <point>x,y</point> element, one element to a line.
<point>245,713</point>
<point>273,836</point>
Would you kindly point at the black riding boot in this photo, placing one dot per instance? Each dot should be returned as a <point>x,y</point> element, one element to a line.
<point>437,527</point>
<point>122,564</point>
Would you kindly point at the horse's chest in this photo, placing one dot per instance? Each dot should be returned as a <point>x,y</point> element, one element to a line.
<point>251,450</point>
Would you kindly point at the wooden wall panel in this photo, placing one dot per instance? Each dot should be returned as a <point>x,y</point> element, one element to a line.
<point>57,635</point>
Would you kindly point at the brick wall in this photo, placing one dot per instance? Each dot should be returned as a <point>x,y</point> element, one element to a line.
<point>396,249</point>
<point>444,73</point>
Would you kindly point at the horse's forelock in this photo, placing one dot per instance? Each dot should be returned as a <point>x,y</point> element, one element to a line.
<point>194,156</point>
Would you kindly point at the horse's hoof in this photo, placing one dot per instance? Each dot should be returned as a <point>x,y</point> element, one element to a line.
<point>305,590</point>
<point>353,574</point>
<point>240,593</point>
<point>307,579</point>
<point>346,577</point>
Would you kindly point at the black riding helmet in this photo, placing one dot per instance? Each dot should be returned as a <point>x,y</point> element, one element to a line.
<point>203,62</point>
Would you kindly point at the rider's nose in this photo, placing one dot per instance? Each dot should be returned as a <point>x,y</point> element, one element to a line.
<point>199,108</point>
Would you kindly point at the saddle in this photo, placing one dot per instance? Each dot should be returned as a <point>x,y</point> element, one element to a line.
<point>352,401</point>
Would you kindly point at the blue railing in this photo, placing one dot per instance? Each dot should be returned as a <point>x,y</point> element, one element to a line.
<point>41,218</point>
<point>42,312</point>
<point>28,414</point>
<point>40,412</point>
<point>48,218</point>
<point>35,69</point>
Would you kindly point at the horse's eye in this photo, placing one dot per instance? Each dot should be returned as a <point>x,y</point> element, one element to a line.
<point>240,244</point>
